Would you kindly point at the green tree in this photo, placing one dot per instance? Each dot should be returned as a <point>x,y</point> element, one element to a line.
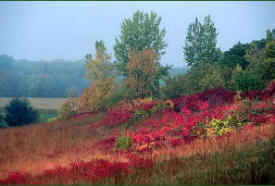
<point>204,76</point>
<point>270,35</point>
<point>269,61</point>
<point>20,112</point>
<point>246,81</point>
<point>142,32</point>
<point>236,55</point>
<point>201,41</point>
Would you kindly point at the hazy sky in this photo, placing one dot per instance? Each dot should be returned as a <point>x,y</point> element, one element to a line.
<point>68,30</point>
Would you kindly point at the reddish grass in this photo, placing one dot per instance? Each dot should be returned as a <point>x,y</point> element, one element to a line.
<point>81,150</point>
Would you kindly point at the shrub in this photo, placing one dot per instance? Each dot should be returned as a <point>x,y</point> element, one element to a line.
<point>220,127</point>
<point>20,112</point>
<point>243,110</point>
<point>67,110</point>
<point>123,142</point>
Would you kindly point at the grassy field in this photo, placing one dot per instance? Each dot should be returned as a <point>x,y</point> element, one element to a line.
<point>39,103</point>
<point>166,146</point>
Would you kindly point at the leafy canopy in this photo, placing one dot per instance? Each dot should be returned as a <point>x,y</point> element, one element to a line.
<point>141,32</point>
<point>201,41</point>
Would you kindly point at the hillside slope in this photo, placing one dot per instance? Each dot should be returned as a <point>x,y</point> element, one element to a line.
<point>214,137</point>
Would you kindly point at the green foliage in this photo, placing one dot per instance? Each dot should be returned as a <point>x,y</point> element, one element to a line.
<point>235,56</point>
<point>100,66</point>
<point>220,127</point>
<point>45,115</point>
<point>204,76</point>
<point>123,142</point>
<point>201,41</point>
<point>259,71</point>
<point>139,33</point>
<point>113,100</point>
<point>246,81</point>
<point>174,86</point>
<point>141,114</point>
<point>67,110</point>
<point>269,61</point>
<point>20,112</point>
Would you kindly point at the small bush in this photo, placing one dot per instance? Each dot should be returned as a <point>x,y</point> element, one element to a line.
<point>220,127</point>
<point>123,142</point>
<point>67,110</point>
<point>20,112</point>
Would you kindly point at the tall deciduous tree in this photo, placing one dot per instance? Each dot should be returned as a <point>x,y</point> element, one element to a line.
<point>201,41</point>
<point>101,71</point>
<point>142,74</point>
<point>142,32</point>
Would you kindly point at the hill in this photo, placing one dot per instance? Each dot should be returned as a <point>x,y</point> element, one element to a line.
<point>214,137</point>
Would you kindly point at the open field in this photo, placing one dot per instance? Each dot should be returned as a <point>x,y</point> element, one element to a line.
<point>39,103</point>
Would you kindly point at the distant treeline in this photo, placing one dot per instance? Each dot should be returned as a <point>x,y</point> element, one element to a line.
<point>23,78</point>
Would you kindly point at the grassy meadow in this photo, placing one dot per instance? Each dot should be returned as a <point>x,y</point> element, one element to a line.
<point>130,117</point>
<point>167,146</point>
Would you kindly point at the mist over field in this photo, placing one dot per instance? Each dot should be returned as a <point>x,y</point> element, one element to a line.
<point>134,93</point>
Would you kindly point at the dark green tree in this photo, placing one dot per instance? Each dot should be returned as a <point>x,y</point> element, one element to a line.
<point>247,81</point>
<point>201,41</point>
<point>20,112</point>
<point>235,56</point>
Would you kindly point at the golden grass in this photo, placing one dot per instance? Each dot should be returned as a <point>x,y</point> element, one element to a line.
<point>240,139</point>
<point>39,103</point>
<point>37,147</point>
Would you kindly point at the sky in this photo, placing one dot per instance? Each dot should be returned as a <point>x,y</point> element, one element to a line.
<point>68,30</point>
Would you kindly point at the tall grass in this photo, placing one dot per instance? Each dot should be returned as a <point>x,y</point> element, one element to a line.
<point>244,157</point>
<point>37,147</point>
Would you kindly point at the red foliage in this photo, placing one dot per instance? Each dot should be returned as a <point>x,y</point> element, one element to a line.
<point>14,178</point>
<point>116,117</point>
<point>105,144</point>
<point>260,94</point>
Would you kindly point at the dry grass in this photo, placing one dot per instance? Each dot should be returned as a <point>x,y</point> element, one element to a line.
<point>39,103</point>
<point>37,147</point>
<point>241,139</point>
